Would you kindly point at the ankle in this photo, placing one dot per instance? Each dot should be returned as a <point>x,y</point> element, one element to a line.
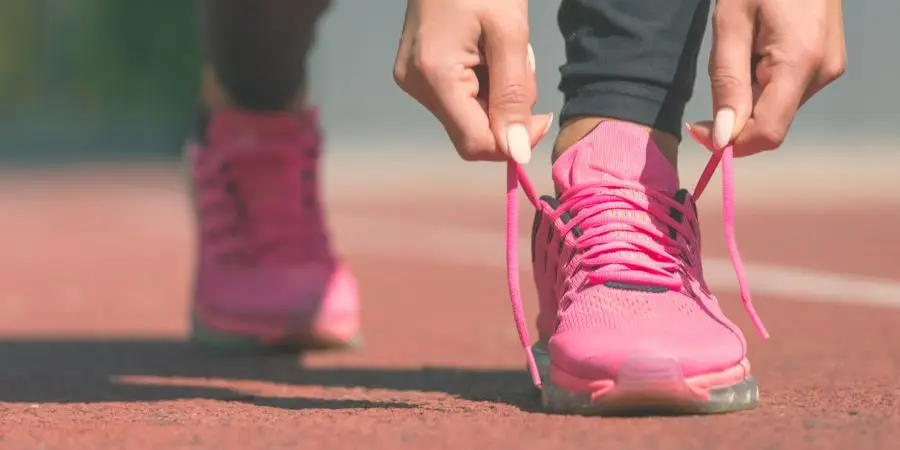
<point>575,129</point>
<point>214,97</point>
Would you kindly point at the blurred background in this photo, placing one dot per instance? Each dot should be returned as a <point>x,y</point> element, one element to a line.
<point>97,239</point>
<point>102,79</point>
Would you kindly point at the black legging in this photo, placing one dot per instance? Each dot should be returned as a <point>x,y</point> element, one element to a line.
<point>634,60</point>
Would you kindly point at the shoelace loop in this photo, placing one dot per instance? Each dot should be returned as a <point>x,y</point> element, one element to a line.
<point>597,217</point>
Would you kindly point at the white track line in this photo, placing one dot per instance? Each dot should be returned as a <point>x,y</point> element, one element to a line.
<point>369,236</point>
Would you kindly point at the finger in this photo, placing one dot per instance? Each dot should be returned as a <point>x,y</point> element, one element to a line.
<point>468,125</point>
<point>730,71</point>
<point>702,133</point>
<point>835,59</point>
<point>818,83</point>
<point>774,111</point>
<point>831,69</point>
<point>466,122</point>
<point>474,141</point>
<point>511,84</point>
<point>540,126</point>
<point>459,105</point>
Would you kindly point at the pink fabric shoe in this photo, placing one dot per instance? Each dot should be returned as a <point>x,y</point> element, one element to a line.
<point>627,323</point>
<point>266,275</point>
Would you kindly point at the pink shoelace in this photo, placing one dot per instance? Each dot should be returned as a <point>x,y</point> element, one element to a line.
<point>657,272</point>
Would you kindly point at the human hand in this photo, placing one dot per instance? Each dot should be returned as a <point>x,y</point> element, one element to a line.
<point>768,58</point>
<point>469,63</point>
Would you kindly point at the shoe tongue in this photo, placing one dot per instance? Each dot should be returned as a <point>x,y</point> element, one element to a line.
<point>615,151</point>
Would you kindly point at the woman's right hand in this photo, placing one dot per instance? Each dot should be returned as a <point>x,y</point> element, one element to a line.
<point>469,63</point>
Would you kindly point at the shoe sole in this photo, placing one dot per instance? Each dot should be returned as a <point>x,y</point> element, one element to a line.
<point>644,388</point>
<point>208,338</point>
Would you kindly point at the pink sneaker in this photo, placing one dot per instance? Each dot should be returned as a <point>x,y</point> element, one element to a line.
<point>266,275</point>
<point>627,323</point>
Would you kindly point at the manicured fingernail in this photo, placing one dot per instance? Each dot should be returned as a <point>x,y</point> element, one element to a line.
<point>549,125</point>
<point>531,64</point>
<point>690,130</point>
<point>723,127</point>
<point>518,143</point>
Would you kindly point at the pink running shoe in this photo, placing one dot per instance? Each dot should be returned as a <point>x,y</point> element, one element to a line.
<point>266,276</point>
<point>627,323</point>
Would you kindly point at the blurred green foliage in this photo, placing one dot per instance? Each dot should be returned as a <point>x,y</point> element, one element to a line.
<point>96,77</point>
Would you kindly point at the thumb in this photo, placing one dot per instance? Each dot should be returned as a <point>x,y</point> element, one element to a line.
<point>730,72</point>
<point>512,90</point>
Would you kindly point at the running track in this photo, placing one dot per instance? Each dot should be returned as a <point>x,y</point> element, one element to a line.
<point>93,307</point>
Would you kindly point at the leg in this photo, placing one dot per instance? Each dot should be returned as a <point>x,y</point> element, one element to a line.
<point>634,61</point>
<point>256,53</point>
<point>626,320</point>
<point>266,275</point>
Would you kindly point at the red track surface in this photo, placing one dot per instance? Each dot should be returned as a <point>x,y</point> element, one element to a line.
<point>93,285</point>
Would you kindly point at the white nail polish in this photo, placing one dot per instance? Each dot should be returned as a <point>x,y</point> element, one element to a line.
<point>519,143</point>
<point>723,127</point>
<point>549,125</point>
<point>531,62</point>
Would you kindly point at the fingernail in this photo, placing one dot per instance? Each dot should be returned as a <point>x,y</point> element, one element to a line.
<point>723,127</point>
<point>549,125</point>
<point>518,143</point>
<point>690,130</point>
<point>531,64</point>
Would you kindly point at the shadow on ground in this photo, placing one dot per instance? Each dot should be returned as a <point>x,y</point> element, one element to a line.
<point>87,371</point>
